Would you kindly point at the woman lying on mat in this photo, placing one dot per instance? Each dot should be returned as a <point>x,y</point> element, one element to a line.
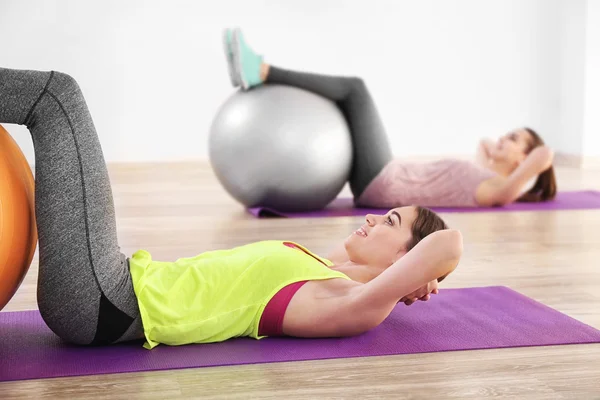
<point>90,293</point>
<point>499,177</point>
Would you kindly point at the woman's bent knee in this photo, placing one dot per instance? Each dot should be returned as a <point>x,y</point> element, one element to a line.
<point>74,326</point>
<point>64,83</point>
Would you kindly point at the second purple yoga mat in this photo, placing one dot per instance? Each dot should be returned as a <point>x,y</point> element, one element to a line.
<point>344,207</point>
<point>456,319</point>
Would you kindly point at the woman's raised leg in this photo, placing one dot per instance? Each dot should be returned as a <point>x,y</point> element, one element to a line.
<point>85,292</point>
<point>371,149</point>
<point>370,146</point>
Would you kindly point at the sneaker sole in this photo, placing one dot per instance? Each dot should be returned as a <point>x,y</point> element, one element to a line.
<point>229,58</point>
<point>237,63</point>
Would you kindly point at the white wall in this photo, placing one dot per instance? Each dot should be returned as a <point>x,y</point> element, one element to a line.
<point>591,137</point>
<point>444,73</point>
<point>572,47</point>
<point>580,79</point>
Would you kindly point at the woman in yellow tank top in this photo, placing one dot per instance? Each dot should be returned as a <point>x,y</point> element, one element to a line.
<point>397,257</point>
<point>91,293</point>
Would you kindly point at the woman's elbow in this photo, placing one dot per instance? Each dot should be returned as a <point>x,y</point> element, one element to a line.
<point>545,155</point>
<point>455,239</point>
<point>454,250</point>
<point>550,157</point>
<point>452,240</point>
<point>503,200</point>
<point>547,151</point>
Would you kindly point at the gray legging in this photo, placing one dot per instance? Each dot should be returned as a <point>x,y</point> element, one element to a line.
<point>371,150</point>
<point>85,293</point>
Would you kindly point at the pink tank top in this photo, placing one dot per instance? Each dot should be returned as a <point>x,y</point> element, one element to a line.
<point>445,183</point>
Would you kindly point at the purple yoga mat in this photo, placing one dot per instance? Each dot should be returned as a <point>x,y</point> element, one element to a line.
<point>344,207</point>
<point>456,319</point>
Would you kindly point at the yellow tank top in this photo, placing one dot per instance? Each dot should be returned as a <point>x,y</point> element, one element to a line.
<point>219,294</point>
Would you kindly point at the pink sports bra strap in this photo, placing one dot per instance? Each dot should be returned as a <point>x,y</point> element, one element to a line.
<point>271,321</point>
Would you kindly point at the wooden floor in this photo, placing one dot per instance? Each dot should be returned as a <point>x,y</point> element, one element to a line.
<point>179,210</point>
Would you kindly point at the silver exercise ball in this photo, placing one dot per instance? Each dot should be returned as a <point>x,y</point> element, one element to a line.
<point>281,147</point>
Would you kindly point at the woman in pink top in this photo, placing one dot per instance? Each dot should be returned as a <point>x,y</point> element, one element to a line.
<point>499,176</point>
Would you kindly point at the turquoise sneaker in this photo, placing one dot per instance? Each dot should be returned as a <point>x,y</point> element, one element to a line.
<point>246,62</point>
<point>227,47</point>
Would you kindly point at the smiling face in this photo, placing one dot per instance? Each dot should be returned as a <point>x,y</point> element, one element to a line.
<point>383,239</point>
<point>513,147</point>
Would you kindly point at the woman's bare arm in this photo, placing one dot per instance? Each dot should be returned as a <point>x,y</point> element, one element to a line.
<point>435,256</point>
<point>500,191</point>
<point>483,152</point>
<point>344,308</point>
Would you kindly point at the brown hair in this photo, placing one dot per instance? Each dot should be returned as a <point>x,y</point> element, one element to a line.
<point>545,185</point>
<point>425,224</point>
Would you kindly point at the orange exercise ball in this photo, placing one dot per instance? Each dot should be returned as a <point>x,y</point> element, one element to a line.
<point>18,233</point>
